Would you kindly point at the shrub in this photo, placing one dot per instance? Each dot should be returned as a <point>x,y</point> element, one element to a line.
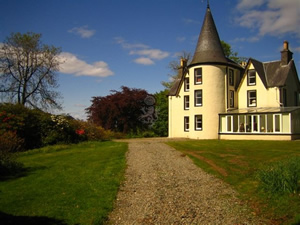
<point>9,144</point>
<point>280,177</point>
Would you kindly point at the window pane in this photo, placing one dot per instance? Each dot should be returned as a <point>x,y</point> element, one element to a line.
<point>262,123</point>
<point>198,76</point>
<point>251,77</point>
<point>231,77</point>
<point>186,102</point>
<point>242,123</point>
<point>270,123</point>
<point>235,123</point>
<point>277,123</point>
<point>198,98</point>
<point>229,123</point>
<point>186,123</point>
<point>251,98</point>
<point>186,84</point>
<point>198,122</point>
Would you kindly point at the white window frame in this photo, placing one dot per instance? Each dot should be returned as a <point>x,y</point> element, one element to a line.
<point>280,123</point>
<point>251,74</point>
<point>196,98</point>
<point>198,77</point>
<point>186,123</point>
<point>186,102</point>
<point>187,84</point>
<point>249,99</point>
<point>197,122</point>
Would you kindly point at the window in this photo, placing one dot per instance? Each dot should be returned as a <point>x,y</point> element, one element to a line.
<point>251,77</point>
<point>198,76</point>
<point>296,98</point>
<point>231,77</point>
<point>186,123</point>
<point>231,99</point>
<point>252,101</point>
<point>198,122</point>
<point>198,98</point>
<point>186,84</point>
<point>186,102</point>
<point>283,100</point>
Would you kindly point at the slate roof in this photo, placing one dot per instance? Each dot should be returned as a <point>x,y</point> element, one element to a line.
<point>273,74</point>
<point>209,48</point>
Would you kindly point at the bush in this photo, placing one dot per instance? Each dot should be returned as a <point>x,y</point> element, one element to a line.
<point>9,144</point>
<point>280,177</point>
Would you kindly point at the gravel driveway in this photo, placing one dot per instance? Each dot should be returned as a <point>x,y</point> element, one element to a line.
<point>162,186</point>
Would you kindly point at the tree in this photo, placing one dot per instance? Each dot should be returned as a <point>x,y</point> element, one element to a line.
<point>28,71</point>
<point>121,111</point>
<point>174,66</point>
<point>160,126</point>
<point>230,54</point>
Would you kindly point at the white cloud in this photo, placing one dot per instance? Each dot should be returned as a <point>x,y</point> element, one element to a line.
<point>148,54</point>
<point>151,53</point>
<point>70,64</point>
<point>277,18</point>
<point>144,61</point>
<point>246,4</point>
<point>83,31</point>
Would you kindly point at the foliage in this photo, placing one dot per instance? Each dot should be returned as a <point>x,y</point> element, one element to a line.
<point>160,126</point>
<point>174,66</point>
<point>280,177</point>
<point>75,184</point>
<point>229,53</point>
<point>9,144</point>
<point>37,128</point>
<point>28,71</point>
<point>120,111</point>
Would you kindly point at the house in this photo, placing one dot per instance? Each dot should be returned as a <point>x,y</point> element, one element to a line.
<point>216,98</point>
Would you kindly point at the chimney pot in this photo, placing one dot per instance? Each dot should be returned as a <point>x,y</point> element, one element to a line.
<point>285,45</point>
<point>183,62</point>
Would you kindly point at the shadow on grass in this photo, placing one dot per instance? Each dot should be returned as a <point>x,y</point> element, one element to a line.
<point>17,171</point>
<point>7,219</point>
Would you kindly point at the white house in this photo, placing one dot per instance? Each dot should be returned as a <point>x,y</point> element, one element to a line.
<point>216,98</point>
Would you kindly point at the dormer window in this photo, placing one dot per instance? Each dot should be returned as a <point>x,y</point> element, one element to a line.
<point>251,77</point>
<point>198,76</point>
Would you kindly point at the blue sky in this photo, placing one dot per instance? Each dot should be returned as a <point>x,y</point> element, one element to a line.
<point>109,43</point>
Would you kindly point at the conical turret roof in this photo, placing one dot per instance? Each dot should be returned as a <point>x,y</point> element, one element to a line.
<point>209,48</point>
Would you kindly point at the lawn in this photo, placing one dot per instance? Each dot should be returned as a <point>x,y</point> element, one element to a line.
<point>64,184</point>
<point>239,162</point>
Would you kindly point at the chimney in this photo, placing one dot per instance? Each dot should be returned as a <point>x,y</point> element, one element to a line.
<point>286,54</point>
<point>183,62</point>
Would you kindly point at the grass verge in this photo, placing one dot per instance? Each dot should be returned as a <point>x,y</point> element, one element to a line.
<point>239,163</point>
<point>64,184</point>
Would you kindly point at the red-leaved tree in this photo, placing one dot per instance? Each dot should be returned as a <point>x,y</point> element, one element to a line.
<point>120,111</point>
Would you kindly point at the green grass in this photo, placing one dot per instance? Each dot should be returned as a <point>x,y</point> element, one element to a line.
<point>239,163</point>
<point>65,184</point>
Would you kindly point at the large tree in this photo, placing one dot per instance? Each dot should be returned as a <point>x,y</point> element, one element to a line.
<point>125,111</point>
<point>28,71</point>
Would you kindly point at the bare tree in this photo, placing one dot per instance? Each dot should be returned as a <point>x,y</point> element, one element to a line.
<point>28,71</point>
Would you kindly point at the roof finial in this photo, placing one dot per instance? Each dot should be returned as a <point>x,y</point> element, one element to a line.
<point>207,3</point>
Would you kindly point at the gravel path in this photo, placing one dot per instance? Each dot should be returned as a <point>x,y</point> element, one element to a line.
<point>162,186</point>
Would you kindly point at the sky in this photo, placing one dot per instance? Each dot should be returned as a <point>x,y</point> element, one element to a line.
<point>107,44</point>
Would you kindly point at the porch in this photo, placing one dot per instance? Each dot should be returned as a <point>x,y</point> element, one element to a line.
<point>282,123</point>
